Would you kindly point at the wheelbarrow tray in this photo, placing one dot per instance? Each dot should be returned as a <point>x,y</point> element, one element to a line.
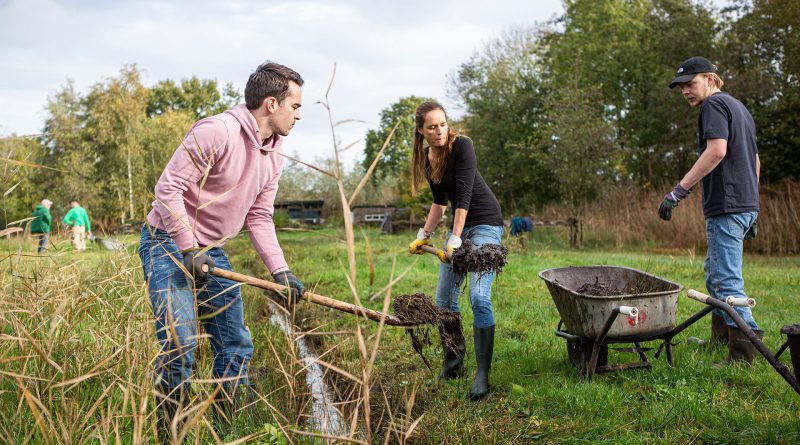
<point>584,315</point>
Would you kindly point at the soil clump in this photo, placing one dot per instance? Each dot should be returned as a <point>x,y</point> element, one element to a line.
<point>420,310</point>
<point>482,260</point>
<point>598,289</point>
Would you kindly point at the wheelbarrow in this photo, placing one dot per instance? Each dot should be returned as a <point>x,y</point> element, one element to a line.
<point>643,309</point>
<point>791,331</point>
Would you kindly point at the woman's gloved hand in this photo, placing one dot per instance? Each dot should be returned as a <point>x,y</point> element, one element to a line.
<point>453,243</point>
<point>423,239</point>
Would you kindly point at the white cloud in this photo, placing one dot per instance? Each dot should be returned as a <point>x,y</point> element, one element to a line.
<point>383,50</point>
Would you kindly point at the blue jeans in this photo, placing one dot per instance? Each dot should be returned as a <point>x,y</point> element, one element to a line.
<point>178,307</point>
<point>723,267</point>
<point>480,285</point>
<point>43,238</point>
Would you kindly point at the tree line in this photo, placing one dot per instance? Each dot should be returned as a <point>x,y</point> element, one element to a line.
<point>559,112</point>
<point>563,110</point>
<point>106,147</point>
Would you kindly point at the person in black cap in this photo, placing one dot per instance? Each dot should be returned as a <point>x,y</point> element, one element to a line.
<point>729,169</point>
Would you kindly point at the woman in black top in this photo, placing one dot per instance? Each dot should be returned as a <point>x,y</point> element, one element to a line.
<point>447,161</point>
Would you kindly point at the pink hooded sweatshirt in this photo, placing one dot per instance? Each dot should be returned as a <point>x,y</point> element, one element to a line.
<point>220,179</point>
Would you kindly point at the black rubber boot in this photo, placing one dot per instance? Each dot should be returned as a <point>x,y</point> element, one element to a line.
<point>484,347</point>
<point>453,366</point>
<point>172,402</point>
<point>719,329</point>
<point>740,349</point>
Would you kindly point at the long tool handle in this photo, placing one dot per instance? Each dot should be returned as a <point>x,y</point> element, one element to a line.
<point>314,298</point>
<point>433,250</point>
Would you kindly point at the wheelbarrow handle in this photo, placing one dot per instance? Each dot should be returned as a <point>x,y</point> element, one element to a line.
<point>312,297</point>
<point>731,301</point>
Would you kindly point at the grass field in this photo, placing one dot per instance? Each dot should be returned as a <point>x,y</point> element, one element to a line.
<point>77,343</point>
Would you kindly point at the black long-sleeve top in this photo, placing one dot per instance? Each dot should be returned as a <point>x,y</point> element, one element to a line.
<point>463,186</point>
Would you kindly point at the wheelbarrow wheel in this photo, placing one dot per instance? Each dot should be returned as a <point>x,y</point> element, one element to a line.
<point>580,352</point>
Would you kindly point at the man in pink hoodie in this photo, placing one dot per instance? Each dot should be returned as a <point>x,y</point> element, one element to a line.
<point>223,177</point>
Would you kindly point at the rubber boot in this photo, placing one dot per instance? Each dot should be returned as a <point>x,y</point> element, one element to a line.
<point>719,329</point>
<point>453,366</point>
<point>171,401</point>
<point>484,347</point>
<point>740,349</point>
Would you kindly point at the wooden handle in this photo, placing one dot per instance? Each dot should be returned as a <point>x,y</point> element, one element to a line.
<point>433,250</point>
<point>314,298</point>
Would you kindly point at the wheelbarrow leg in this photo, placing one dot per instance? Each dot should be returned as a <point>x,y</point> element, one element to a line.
<point>642,355</point>
<point>592,365</point>
<point>670,355</point>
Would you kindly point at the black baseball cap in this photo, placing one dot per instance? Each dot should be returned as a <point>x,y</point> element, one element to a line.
<point>692,67</point>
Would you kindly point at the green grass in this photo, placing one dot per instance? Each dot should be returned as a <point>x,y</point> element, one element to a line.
<point>536,394</point>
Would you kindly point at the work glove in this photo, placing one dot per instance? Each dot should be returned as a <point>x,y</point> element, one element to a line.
<point>671,201</point>
<point>453,243</point>
<point>193,261</point>
<point>442,256</point>
<point>752,232</point>
<point>295,289</point>
<point>423,239</point>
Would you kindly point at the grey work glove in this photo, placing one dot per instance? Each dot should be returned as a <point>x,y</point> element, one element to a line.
<point>752,232</point>
<point>671,201</point>
<point>193,261</point>
<point>295,290</point>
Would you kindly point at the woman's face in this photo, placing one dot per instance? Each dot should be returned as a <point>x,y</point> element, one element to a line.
<point>435,129</point>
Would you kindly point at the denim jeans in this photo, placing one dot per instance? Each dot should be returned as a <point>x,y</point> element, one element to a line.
<point>480,285</point>
<point>179,307</point>
<point>43,238</point>
<point>723,267</point>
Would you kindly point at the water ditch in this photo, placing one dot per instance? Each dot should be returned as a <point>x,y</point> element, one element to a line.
<point>324,415</point>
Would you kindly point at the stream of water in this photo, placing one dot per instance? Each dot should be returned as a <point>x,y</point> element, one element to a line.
<point>324,416</point>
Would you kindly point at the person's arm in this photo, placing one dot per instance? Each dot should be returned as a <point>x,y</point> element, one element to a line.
<point>69,218</point>
<point>192,160</point>
<point>86,221</point>
<point>466,165</point>
<point>47,217</point>
<point>435,215</point>
<point>262,227</point>
<point>716,149</point>
<point>758,168</point>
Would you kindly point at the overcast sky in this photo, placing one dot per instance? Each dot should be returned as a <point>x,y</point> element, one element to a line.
<point>383,50</point>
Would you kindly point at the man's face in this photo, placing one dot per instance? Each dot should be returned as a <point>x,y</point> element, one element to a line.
<point>697,90</point>
<point>287,113</point>
<point>435,129</point>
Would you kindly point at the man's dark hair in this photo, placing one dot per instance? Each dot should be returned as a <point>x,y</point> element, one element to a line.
<point>269,79</point>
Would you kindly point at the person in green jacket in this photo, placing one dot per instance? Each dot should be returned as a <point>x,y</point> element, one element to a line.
<point>40,225</point>
<point>78,220</point>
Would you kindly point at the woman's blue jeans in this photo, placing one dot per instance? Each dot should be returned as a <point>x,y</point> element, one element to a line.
<point>480,285</point>
<point>179,307</point>
<point>723,267</point>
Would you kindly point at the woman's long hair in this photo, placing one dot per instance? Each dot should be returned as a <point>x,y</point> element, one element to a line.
<point>421,169</point>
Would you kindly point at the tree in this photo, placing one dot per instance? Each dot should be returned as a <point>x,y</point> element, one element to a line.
<point>201,97</point>
<point>396,159</point>
<point>500,88</point>
<point>760,53</point>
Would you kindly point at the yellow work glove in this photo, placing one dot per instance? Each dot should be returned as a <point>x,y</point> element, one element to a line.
<point>423,239</point>
<point>453,243</point>
<point>442,256</point>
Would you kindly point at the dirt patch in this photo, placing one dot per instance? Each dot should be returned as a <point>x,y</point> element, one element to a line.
<point>420,310</point>
<point>485,259</point>
<point>598,289</point>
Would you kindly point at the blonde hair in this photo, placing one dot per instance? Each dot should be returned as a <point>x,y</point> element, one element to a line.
<point>718,82</point>
<point>421,169</point>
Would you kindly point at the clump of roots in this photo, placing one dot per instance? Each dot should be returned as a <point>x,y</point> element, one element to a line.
<point>485,259</point>
<point>419,310</point>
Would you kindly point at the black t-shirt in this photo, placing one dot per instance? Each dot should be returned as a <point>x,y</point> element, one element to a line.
<point>465,188</point>
<point>732,187</point>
